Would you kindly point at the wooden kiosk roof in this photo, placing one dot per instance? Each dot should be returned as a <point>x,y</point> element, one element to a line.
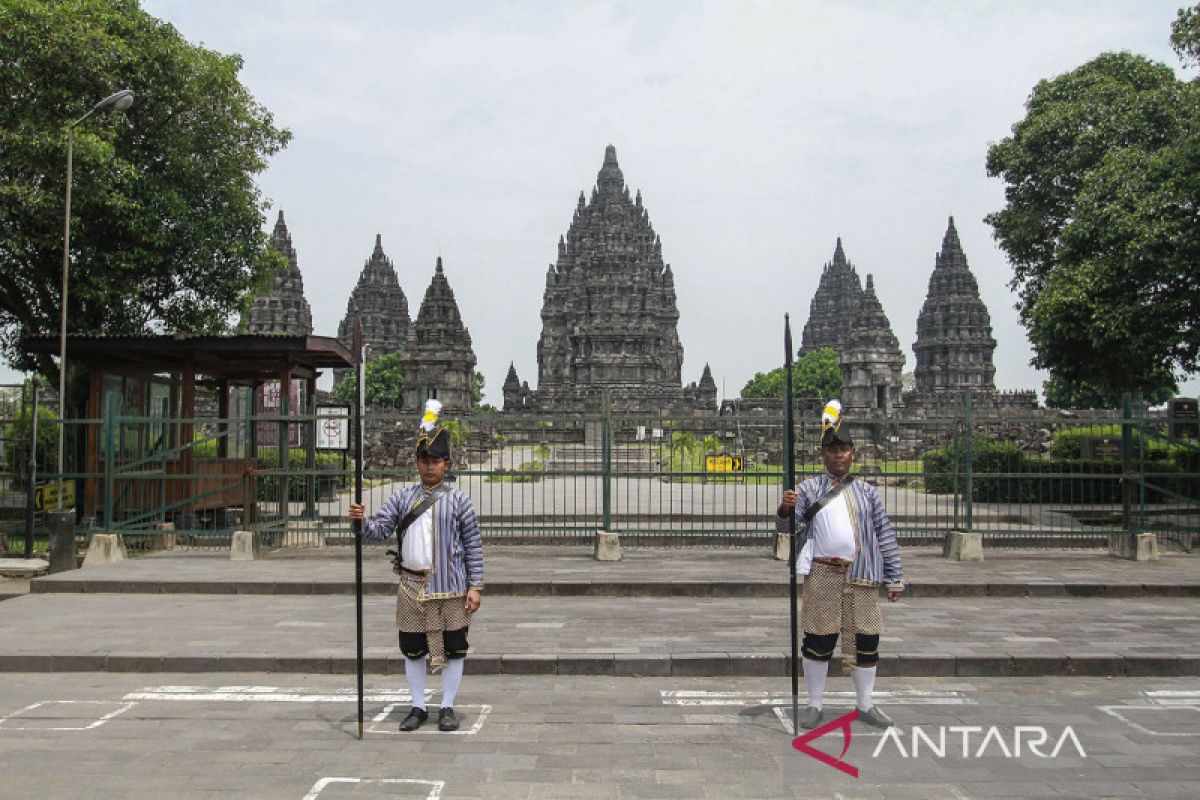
<point>245,359</point>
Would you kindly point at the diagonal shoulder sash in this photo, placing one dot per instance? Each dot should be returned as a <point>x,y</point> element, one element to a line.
<point>826,499</point>
<point>417,510</point>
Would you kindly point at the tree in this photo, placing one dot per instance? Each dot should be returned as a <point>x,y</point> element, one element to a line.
<point>815,374</point>
<point>383,381</point>
<point>1065,394</point>
<point>476,388</point>
<point>167,223</point>
<point>1102,182</point>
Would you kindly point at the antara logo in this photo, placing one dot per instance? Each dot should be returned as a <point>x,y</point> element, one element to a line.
<point>976,742</point>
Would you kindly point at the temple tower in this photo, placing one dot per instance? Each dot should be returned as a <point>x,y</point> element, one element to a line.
<point>834,304</point>
<point>954,330</point>
<point>281,309</point>
<point>437,358</point>
<point>609,314</point>
<point>381,303</point>
<point>871,360</point>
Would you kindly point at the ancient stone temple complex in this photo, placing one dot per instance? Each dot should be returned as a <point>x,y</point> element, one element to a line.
<point>380,302</point>
<point>437,358</point>
<point>281,309</point>
<point>609,316</point>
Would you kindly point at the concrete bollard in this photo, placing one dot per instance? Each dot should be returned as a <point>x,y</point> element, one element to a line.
<point>166,539</point>
<point>244,546</point>
<point>61,525</point>
<point>783,546</point>
<point>105,548</point>
<point>964,546</point>
<point>607,546</point>
<point>1135,547</point>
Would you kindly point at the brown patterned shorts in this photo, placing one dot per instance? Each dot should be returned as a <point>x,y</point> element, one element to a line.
<point>831,605</point>
<point>414,615</point>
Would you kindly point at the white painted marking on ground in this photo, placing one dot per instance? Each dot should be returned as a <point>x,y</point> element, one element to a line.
<point>1030,639</point>
<point>430,726</point>
<point>435,787</point>
<point>1114,711</point>
<point>1174,697</point>
<point>541,624</point>
<point>96,724</point>
<point>911,697</point>
<point>262,694</point>
<point>299,623</point>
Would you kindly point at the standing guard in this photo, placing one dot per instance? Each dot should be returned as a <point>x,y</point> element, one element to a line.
<point>848,550</point>
<point>440,563</point>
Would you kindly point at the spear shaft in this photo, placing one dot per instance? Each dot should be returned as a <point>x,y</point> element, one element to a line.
<point>789,440</point>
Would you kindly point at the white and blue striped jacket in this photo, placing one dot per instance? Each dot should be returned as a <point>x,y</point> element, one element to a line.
<point>877,557</point>
<point>457,544</point>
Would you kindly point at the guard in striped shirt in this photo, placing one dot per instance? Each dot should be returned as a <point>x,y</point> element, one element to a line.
<point>440,563</point>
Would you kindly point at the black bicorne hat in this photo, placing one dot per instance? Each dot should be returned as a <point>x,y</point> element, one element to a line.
<point>832,430</point>
<point>432,439</point>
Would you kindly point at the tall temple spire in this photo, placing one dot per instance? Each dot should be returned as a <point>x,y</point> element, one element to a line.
<point>281,309</point>
<point>835,300</point>
<point>609,313</point>
<point>438,360</point>
<point>380,302</point>
<point>871,360</point>
<point>954,344</point>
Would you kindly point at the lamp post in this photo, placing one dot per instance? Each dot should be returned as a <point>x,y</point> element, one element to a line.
<point>118,101</point>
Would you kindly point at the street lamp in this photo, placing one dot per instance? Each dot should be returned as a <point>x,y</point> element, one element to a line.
<point>118,101</point>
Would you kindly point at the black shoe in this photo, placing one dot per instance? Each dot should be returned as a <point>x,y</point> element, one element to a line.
<point>414,719</point>
<point>446,720</point>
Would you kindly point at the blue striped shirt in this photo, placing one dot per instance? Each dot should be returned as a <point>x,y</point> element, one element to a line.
<point>457,543</point>
<point>878,554</point>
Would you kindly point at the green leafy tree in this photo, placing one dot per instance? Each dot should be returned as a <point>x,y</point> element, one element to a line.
<point>1065,394</point>
<point>384,382</point>
<point>815,374</point>
<point>476,388</point>
<point>167,223</point>
<point>1102,180</point>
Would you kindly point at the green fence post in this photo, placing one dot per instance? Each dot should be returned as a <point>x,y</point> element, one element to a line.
<point>110,435</point>
<point>968,500</point>
<point>1142,414</point>
<point>606,449</point>
<point>1126,463</point>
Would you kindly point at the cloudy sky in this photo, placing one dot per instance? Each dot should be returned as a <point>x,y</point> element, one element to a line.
<point>757,132</point>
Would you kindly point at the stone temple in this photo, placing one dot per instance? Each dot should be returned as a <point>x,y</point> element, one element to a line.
<point>870,358</point>
<point>836,300</point>
<point>382,305</point>
<point>609,316</point>
<point>954,330</point>
<point>437,358</point>
<point>281,309</point>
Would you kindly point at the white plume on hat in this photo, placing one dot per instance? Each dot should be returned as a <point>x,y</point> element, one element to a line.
<point>432,409</point>
<point>832,414</point>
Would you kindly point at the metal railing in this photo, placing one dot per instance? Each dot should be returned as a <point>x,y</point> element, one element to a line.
<point>705,481</point>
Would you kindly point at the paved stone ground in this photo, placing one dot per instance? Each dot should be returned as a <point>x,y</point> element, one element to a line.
<point>331,570</point>
<point>598,635</point>
<point>295,738</point>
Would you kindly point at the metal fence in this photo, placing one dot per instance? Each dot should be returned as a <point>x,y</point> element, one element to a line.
<point>711,481</point>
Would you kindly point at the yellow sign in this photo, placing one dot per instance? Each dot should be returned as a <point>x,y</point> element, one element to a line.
<point>723,463</point>
<point>45,496</point>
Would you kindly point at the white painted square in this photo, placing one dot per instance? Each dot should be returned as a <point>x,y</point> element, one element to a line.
<point>29,719</point>
<point>785,719</point>
<point>1152,719</point>
<point>430,726</point>
<point>432,789</point>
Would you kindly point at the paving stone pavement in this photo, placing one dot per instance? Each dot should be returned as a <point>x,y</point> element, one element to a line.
<point>294,737</point>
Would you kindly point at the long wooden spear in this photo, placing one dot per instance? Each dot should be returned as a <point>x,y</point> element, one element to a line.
<point>789,443</point>
<point>357,525</point>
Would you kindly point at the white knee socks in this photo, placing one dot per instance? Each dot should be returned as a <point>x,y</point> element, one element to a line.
<point>864,686</point>
<point>815,673</point>
<point>451,680</point>
<point>414,670</point>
